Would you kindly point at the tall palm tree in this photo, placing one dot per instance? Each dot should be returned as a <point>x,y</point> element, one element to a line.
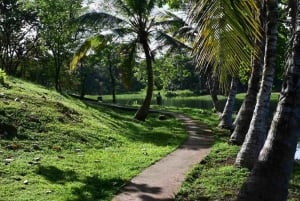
<point>223,42</point>
<point>134,22</point>
<point>270,177</point>
<point>256,134</point>
<point>244,116</point>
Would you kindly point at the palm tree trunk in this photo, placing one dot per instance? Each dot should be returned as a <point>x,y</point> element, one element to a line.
<point>82,80</point>
<point>244,116</point>
<point>212,84</point>
<point>270,176</point>
<point>256,134</point>
<point>143,111</point>
<point>226,118</point>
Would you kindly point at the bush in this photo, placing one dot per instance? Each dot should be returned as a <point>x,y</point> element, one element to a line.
<point>2,77</point>
<point>170,94</point>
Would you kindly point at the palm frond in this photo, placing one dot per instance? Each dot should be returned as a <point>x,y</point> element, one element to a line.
<point>172,43</point>
<point>128,56</point>
<point>188,32</point>
<point>225,32</point>
<point>92,42</point>
<point>101,19</point>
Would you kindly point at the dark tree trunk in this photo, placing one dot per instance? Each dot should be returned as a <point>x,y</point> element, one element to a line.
<point>243,119</point>
<point>270,177</point>
<point>256,134</point>
<point>212,84</point>
<point>143,111</point>
<point>244,116</point>
<point>82,80</point>
<point>226,118</point>
<point>57,66</point>
<point>113,81</point>
<point>56,79</point>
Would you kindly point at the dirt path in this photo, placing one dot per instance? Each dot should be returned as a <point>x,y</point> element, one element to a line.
<point>162,180</point>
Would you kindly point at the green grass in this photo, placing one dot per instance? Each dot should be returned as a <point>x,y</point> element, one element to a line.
<point>216,178</point>
<point>68,150</point>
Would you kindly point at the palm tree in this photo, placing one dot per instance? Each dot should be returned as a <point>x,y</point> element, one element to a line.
<point>244,116</point>
<point>256,134</point>
<point>223,42</point>
<point>132,21</point>
<point>226,117</point>
<point>270,177</point>
<point>223,28</point>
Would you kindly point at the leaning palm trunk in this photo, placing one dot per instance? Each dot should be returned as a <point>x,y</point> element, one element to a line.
<point>256,134</point>
<point>226,118</point>
<point>143,111</point>
<point>270,176</point>
<point>212,84</point>
<point>244,116</point>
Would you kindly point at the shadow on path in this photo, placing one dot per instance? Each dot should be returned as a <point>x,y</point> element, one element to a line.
<point>161,181</point>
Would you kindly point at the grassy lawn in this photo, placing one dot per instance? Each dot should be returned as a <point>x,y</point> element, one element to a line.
<point>53,147</point>
<point>216,178</point>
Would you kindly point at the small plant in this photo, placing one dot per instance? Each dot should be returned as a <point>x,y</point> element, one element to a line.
<point>2,77</point>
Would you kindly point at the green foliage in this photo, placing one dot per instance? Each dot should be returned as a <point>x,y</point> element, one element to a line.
<point>57,34</point>
<point>16,22</point>
<point>94,42</point>
<point>72,150</point>
<point>244,73</point>
<point>3,77</point>
<point>128,56</point>
<point>172,3</point>
<point>225,28</point>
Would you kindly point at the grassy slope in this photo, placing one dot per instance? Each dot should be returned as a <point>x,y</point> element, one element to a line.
<point>58,148</point>
<point>216,178</point>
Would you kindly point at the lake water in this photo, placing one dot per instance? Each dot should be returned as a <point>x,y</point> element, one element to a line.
<point>297,154</point>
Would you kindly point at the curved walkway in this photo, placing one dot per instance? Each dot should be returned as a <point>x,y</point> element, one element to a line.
<point>161,181</point>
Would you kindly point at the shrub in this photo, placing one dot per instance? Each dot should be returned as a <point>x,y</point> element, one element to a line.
<point>2,77</point>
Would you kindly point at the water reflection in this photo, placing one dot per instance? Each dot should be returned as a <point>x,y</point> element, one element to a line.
<point>297,154</point>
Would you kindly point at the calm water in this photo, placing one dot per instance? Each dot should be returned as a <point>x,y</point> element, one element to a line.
<point>297,154</point>
<point>174,102</point>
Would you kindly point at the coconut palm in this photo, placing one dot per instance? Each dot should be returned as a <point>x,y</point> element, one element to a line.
<point>256,134</point>
<point>223,28</point>
<point>223,42</point>
<point>226,117</point>
<point>270,177</point>
<point>244,116</point>
<point>133,22</point>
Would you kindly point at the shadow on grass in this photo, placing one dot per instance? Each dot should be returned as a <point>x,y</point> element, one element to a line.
<point>92,188</point>
<point>55,175</point>
<point>151,131</point>
<point>95,188</point>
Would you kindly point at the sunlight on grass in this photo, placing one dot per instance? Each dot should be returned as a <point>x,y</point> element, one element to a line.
<point>59,148</point>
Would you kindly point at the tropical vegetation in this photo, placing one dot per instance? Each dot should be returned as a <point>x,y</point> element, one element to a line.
<point>100,49</point>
